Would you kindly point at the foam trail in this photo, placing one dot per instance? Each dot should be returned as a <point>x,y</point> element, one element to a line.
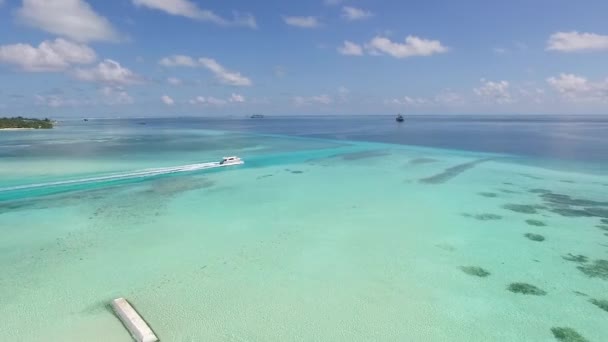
<point>120,176</point>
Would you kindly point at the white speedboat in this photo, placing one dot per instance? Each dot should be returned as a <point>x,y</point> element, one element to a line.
<point>231,161</point>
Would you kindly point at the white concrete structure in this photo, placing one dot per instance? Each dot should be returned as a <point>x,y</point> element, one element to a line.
<point>136,325</point>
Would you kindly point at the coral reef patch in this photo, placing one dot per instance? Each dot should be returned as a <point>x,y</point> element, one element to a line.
<point>475,271</point>
<point>526,289</point>
<point>535,237</point>
<point>362,155</point>
<point>600,303</point>
<point>488,194</point>
<point>452,172</point>
<point>565,334</point>
<point>536,223</point>
<point>598,269</point>
<point>575,258</point>
<point>483,217</point>
<point>523,208</point>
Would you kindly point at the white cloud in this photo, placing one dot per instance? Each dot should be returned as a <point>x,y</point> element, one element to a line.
<point>174,81</point>
<point>116,95</point>
<point>574,41</point>
<point>303,22</point>
<point>178,60</point>
<point>198,100</point>
<point>445,98</point>
<point>569,83</point>
<point>189,9</point>
<point>50,55</point>
<point>221,74</point>
<point>74,19</point>
<point>236,98</point>
<point>319,99</point>
<point>167,100</point>
<point>497,92</point>
<point>579,89</point>
<point>213,101</point>
<point>224,76</point>
<point>413,46</point>
<point>108,72</point>
<point>353,13</point>
<point>410,101</point>
<point>350,49</point>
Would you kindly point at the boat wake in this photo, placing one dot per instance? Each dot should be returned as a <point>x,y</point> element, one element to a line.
<point>120,176</point>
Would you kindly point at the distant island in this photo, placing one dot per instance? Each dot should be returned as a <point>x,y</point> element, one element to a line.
<point>22,123</point>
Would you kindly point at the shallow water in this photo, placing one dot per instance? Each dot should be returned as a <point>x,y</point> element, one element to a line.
<point>317,237</point>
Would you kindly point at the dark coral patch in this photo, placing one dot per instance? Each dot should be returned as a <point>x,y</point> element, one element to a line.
<point>540,191</point>
<point>475,271</point>
<point>535,237</point>
<point>488,194</point>
<point>452,172</point>
<point>526,289</point>
<point>484,217</point>
<point>522,208</point>
<point>575,258</point>
<point>567,200</point>
<point>362,155</point>
<point>599,269</point>
<point>536,223</point>
<point>567,212</point>
<point>604,221</point>
<point>600,303</point>
<point>603,227</point>
<point>598,212</point>
<point>297,172</point>
<point>565,334</point>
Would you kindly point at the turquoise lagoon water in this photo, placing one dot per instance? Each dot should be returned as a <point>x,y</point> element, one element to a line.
<point>331,231</point>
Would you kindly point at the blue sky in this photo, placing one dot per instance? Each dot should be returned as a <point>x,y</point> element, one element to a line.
<point>192,57</point>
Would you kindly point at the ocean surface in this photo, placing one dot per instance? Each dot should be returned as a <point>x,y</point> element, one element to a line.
<point>443,228</point>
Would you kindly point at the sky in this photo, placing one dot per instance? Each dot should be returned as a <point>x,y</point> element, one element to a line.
<point>144,58</point>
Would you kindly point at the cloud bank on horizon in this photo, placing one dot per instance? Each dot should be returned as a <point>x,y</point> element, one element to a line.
<point>189,57</point>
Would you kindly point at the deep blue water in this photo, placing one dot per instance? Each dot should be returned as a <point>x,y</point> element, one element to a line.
<point>552,139</point>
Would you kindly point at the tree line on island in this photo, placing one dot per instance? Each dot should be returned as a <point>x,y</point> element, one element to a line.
<point>21,122</point>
